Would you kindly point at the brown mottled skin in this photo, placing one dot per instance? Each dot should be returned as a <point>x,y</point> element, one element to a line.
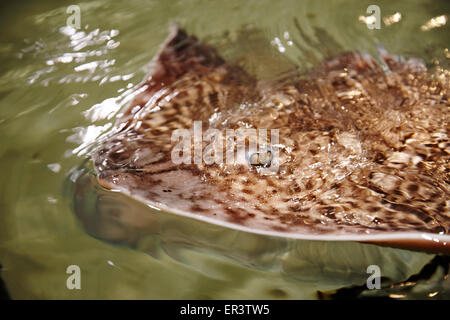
<point>362,150</point>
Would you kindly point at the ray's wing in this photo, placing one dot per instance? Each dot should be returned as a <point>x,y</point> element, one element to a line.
<point>188,81</point>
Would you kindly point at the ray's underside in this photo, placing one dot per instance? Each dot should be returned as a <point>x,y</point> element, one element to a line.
<point>362,150</point>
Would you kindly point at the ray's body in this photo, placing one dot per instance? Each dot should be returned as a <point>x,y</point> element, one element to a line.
<point>361,150</point>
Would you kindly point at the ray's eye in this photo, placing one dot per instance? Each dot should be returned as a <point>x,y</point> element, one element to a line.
<point>260,158</point>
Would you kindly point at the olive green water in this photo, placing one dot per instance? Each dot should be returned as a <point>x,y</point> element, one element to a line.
<point>60,89</point>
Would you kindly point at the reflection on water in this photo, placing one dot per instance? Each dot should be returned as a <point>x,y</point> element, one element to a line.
<point>435,22</point>
<point>60,90</point>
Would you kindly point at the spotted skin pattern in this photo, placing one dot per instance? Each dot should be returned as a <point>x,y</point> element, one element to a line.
<point>362,150</point>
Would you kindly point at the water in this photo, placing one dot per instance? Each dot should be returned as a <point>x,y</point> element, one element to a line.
<point>61,89</point>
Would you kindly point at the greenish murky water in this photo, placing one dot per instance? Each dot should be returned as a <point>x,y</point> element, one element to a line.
<point>60,89</point>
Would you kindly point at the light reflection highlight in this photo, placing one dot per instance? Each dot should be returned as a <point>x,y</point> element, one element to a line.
<point>367,20</point>
<point>435,22</point>
<point>396,17</point>
<point>86,137</point>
